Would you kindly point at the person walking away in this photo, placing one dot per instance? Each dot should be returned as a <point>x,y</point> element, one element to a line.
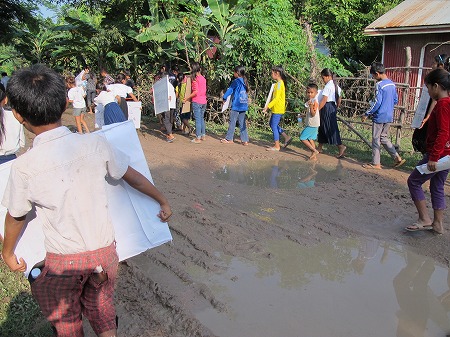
<point>120,89</point>
<point>438,146</point>
<point>329,101</point>
<point>382,113</point>
<point>63,177</point>
<point>198,97</point>
<point>76,95</point>
<point>278,107</point>
<point>112,113</point>
<point>12,137</point>
<point>309,133</point>
<point>239,106</point>
<point>91,82</point>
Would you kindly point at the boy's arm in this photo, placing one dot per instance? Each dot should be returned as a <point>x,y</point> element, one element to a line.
<point>143,185</point>
<point>313,108</point>
<point>13,228</point>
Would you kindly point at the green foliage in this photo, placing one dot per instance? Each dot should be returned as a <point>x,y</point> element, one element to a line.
<point>342,23</point>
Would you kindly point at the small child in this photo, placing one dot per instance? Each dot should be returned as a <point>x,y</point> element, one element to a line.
<point>76,97</point>
<point>64,177</point>
<point>309,134</point>
<point>112,112</point>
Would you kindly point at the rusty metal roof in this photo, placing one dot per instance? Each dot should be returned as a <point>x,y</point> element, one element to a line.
<point>413,16</point>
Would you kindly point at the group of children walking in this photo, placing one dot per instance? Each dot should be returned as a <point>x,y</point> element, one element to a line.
<point>109,95</point>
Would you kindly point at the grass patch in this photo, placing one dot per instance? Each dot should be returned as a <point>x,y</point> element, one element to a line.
<point>19,313</point>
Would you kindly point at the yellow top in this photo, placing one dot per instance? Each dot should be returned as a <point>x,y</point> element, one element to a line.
<point>278,102</point>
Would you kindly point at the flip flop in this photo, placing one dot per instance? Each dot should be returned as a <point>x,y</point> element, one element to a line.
<point>272,149</point>
<point>371,166</point>
<point>418,227</point>
<point>226,141</point>
<point>288,142</point>
<point>196,141</point>
<point>400,163</point>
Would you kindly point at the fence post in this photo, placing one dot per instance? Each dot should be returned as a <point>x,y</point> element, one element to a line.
<point>404,97</point>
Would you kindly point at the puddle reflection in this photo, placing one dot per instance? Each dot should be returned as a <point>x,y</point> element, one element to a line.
<point>280,174</point>
<point>348,288</point>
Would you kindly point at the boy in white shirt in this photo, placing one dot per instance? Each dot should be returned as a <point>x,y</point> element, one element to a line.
<point>309,133</point>
<point>63,177</point>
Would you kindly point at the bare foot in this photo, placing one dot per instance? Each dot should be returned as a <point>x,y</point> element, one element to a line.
<point>313,155</point>
<point>438,228</point>
<point>342,149</point>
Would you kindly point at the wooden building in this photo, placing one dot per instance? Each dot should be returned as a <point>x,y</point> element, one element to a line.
<point>422,25</point>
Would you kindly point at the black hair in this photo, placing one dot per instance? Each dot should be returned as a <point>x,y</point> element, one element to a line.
<point>120,78</point>
<point>38,94</point>
<point>240,70</point>
<point>180,77</point>
<point>4,74</point>
<point>440,59</point>
<point>377,67</point>
<point>279,69</point>
<point>195,68</point>
<point>437,76</point>
<point>312,86</point>
<point>100,86</point>
<point>328,72</point>
<point>174,68</point>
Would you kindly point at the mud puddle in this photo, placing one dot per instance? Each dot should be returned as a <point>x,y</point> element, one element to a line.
<point>347,287</point>
<point>279,174</point>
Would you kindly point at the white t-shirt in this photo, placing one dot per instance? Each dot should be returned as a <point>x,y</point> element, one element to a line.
<point>14,137</point>
<point>314,121</point>
<point>76,95</point>
<point>105,97</point>
<point>63,176</point>
<point>119,89</point>
<point>329,92</point>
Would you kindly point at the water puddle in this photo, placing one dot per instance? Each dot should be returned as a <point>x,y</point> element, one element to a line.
<point>348,288</point>
<point>280,174</point>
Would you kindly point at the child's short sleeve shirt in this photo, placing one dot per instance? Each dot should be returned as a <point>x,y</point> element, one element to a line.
<point>64,177</point>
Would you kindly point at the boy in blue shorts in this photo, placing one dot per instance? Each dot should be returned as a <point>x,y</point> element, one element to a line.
<point>64,178</point>
<point>309,133</point>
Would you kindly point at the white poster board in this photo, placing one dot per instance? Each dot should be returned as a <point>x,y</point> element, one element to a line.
<point>134,113</point>
<point>161,95</point>
<point>442,164</point>
<point>421,110</point>
<point>134,215</point>
<point>226,104</point>
<point>269,96</point>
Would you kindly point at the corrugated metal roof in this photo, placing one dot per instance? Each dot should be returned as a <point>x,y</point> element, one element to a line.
<point>414,13</point>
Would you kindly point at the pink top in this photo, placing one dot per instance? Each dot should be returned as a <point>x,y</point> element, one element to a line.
<point>199,85</point>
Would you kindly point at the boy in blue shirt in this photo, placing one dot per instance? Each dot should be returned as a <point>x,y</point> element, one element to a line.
<point>382,112</point>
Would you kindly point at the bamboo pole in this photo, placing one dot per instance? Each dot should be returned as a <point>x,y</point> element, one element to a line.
<point>398,137</point>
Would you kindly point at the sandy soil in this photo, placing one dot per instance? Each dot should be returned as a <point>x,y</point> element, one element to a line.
<point>156,296</point>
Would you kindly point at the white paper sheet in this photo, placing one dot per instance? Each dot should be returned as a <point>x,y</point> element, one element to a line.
<point>421,110</point>
<point>269,96</point>
<point>134,113</point>
<point>442,164</point>
<point>161,95</point>
<point>134,215</point>
<point>226,104</point>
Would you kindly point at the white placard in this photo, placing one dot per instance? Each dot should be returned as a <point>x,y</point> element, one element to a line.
<point>161,95</point>
<point>269,96</point>
<point>134,215</point>
<point>226,104</point>
<point>442,164</point>
<point>421,110</point>
<point>134,113</point>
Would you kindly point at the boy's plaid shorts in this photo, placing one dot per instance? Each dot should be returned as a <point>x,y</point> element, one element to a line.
<point>67,288</point>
